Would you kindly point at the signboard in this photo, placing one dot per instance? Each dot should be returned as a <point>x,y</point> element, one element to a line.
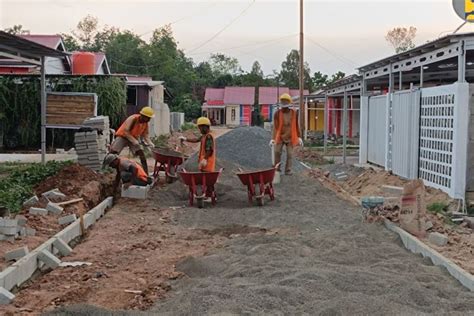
<point>464,9</point>
<point>69,109</point>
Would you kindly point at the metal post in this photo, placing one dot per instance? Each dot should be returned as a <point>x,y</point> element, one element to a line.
<point>421,76</point>
<point>400,81</point>
<point>390,80</point>
<point>326,123</point>
<point>344,129</point>
<point>43,110</point>
<point>302,115</point>
<point>462,63</point>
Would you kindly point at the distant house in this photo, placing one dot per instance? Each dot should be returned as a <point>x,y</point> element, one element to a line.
<point>54,66</point>
<point>231,106</point>
<point>267,97</point>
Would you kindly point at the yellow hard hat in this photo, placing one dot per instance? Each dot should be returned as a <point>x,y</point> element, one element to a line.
<point>147,111</point>
<point>203,121</point>
<point>285,97</point>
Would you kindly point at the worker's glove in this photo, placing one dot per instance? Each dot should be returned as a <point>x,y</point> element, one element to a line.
<point>182,138</point>
<point>203,163</point>
<point>136,142</point>
<point>300,142</point>
<point>272,143</point>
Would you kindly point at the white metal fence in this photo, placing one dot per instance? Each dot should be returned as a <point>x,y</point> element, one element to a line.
<point>420,134</point>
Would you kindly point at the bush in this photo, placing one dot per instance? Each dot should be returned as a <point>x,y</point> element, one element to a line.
<point>437,207</point>
<point>188,126</point>
<point>161,141</point>
<point>18,186</point>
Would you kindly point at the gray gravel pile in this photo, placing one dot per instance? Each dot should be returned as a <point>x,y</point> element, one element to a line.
<point>245,147</point>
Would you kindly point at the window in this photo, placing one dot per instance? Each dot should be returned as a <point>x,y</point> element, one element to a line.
<point>232,115</point>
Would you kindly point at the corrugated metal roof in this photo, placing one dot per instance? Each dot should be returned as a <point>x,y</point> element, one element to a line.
<point>239,95</point>
<point>12,44</point>
<point>214,94</point>
<point>51,41</point>
<point>270,95</point>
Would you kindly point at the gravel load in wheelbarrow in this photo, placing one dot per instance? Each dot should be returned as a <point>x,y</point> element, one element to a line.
<point>168,161</point>
<point>261,178</point>
<point>206,180</point>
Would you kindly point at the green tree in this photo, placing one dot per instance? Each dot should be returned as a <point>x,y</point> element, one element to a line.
<point>190,107</point>
<point>70,42</point>
<point>86,31</point>
<point>337,76</point>
<point>224,65</point>
<point>320,80</point>
<point>401,38</point>
<point>17,29</point>
<point>126,53</point>
<point>290,70</point>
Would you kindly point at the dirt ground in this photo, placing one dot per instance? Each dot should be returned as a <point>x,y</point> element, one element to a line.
<point>74,181</point>
<point>309,253</point>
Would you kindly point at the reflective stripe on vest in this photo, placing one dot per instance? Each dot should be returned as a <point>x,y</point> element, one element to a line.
<point>138,129</point>
<point>294,128</point>
<point>211,160</point>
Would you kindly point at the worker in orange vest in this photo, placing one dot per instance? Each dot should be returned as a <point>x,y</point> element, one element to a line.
<point>130,132</point>
<point>285,132</point>
<point>130,172</point>
<point>207,150</point>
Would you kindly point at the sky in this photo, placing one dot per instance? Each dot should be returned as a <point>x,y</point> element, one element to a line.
<point>339,35</point>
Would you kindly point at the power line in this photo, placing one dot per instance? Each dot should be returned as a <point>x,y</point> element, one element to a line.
<point>345,60</point>
<point>224,28</point>
<point>181,19</point>
<point>246,45</point>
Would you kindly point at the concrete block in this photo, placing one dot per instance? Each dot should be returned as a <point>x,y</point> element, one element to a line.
<point>136,192</point>
<point>54,208</point>
<point>469,221</point>
<point>389,189</point>
<point>10,238</point>
<point>8,277</point>
<point>21,220</point>
<point>31,201</point>
<point>67,219</point>
<point>50,260</point>
<point>55,193</point>
<point>22,231</point>
<point>38,211</point>
<point>16,253</point>
<point>9,231</point>
<point>438,239</point>
<point>7,222</point>
<point>62,247</point>
<point>6,297</point>
<point>89,220</point>
<point>30,231</point>
<point>428,225</point>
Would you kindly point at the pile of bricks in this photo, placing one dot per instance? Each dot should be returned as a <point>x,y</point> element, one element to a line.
<point>12,228</point>
<point>91,146</point>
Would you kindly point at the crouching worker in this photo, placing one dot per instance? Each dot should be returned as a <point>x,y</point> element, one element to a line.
<point>130,172</point>
<point>130,132</point>
<point>207,150</point>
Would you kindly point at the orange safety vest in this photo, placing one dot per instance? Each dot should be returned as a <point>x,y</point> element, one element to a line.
<point>138,129</point>
<point>141,174</point>
<point>294,128</point>
<point>211,160</point>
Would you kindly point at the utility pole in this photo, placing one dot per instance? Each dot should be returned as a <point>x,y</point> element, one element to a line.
<point>302,104</point>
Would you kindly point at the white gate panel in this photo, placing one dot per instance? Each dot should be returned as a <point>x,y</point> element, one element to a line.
<point>377,130</point>
<point>405,134</point>
<point>443,137</point>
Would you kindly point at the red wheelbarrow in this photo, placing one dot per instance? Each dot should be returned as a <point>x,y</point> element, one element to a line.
<point>261,178</point>
<point>206,180</point>
<point>168,161</point>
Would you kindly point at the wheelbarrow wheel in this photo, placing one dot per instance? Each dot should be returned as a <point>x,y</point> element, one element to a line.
<point>200,202</point>
<point>260,200</point>
<point>169,179</point>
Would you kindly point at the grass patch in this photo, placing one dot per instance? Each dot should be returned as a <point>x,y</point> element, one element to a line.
<point>18,185</point>
<point>161,141</point>
<point>438,208</point>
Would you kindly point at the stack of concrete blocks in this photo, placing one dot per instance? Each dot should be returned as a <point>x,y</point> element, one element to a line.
<point>101,124</point>
<point>177,120</point>
<point>10,229</point>
<point>91,149</point>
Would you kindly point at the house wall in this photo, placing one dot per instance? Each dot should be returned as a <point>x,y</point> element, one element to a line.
<point>233,115</point>
<point>54,66</point>
<point>160,124</point>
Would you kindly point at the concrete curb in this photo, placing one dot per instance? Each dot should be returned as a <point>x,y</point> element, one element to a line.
<point>416,246</point>
<point>22,270</point>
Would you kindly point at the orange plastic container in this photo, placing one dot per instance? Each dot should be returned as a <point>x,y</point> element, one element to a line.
<point>83,63</point>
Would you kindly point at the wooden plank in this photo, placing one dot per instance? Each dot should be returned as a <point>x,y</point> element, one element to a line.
<point>71,104</point>
<point>52,97</point>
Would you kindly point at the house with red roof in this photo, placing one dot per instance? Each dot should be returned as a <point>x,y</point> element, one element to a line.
<point>231,106</point>
<point>54,66</point>
<point>267,98</point>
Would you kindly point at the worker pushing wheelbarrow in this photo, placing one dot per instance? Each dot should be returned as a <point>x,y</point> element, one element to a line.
<point>207,176</point>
